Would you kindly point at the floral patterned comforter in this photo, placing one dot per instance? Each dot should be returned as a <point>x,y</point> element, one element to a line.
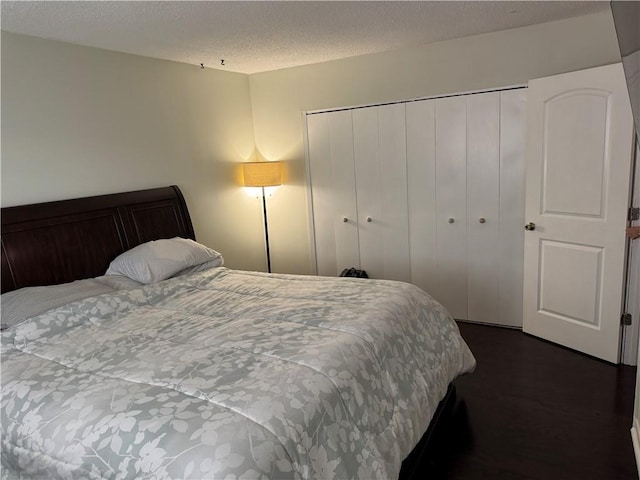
<point>228,374</point>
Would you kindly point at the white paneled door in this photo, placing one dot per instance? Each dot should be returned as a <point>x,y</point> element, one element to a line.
<point>579,150</point>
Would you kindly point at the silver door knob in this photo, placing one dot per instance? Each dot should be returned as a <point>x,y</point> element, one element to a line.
<point>451,220</point>
<point>482,220</point>
<point>529,227</point>
<point>369,219</point>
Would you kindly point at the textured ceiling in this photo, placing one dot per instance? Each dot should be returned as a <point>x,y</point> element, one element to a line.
<point>259,36</point>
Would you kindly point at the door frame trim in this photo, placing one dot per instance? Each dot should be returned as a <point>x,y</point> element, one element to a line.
<point>631,333</point>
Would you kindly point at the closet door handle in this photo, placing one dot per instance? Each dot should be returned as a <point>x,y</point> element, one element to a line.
<point>345,219</point>
<point>451,220</point>
<point>482,220</point>
<point>529,227</point>
<point>369,219</point>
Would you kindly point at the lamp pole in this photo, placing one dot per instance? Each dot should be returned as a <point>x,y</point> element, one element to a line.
<point>266,229</point>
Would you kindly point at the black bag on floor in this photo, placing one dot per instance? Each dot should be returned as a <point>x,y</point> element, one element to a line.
<point>354,272</point>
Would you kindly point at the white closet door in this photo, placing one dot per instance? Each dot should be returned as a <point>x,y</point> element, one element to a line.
<point>421,181</point>
<point>433,191</point>
<point>381,181</point>
<point>320,172</point>
<point>333,191</point>
<point>483,200</point>
<point>367,167</point>
<point>512,181</point>
<point>451,215</point>
<point>393,190</point>
<point>343,181</point>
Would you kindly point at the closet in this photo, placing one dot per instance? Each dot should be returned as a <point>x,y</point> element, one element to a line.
<point>429,192</point>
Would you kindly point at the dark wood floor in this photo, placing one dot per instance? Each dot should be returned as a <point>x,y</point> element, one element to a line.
<point>533,410</point>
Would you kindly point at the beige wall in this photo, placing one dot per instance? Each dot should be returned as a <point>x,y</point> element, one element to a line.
<point>80,121</point>
<point>481,62</point>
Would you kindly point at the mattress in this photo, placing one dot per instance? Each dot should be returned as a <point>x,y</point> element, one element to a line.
<point>227,373</point>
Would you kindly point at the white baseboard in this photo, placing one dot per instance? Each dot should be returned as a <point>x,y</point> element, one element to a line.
<point>635,438</point>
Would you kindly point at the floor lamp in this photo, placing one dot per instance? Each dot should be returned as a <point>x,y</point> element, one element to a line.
<point>263,174</point>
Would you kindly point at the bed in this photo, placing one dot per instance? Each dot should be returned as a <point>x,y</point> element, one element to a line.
<point>204,371</point>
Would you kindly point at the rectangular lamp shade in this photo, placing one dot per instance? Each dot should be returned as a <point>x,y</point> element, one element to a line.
<point>262,174</point>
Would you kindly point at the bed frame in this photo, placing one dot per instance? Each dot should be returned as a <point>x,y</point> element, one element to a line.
<point>58,242</point>
<point>430,456</point>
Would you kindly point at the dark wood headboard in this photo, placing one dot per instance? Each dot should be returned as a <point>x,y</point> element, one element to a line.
<point>58,242</point>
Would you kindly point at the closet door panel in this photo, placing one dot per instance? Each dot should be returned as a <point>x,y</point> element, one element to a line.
<point>367,167</point>
<point>483,190</point>
<point>421,182</point>
<point>393,190</point>
<point>512,219</point>
<point>381,181</point>
<point>322,193</point>
<point>451,215</point>
<point>344,188</point>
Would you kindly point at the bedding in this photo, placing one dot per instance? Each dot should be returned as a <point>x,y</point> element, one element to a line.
<point>19,305</point>
<point>224,373</point>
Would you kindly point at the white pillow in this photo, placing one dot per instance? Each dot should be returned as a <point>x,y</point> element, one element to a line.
<point>161,259</point>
